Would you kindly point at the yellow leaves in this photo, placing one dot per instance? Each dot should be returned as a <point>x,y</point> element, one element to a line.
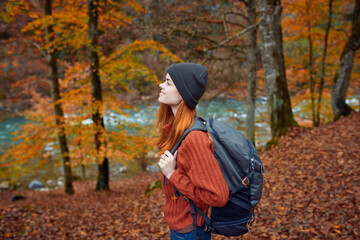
<point>33,15</point>
<point>124,65</point>
<point>34,139</point>
<point>9,8</point>
<point>14,8</point>
<point>139,46</point>
<point>136,6</point>
<point>301,20</point>
<point>301,102</point>
<point>113,19</point>
<point>31,26</point>
<point>42,162</point>
<point>69,25</point>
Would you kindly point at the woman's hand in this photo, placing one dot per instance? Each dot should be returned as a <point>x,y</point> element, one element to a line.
<point>167,163</point>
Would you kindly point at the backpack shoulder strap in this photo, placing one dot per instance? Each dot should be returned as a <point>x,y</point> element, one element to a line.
<point>198,124</point>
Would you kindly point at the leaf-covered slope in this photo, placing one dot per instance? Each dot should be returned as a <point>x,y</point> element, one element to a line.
<point>314,183</point>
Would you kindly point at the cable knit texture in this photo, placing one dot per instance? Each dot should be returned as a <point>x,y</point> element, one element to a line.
<point>198,176</point>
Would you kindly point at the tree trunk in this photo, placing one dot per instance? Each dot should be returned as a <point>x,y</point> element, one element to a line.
<point>279,105</point>
<point>323,65</point>
<point>251,65</point>
<point>342,77</point>
<point>56,100</point>
<point>311,64</point>
<point>83,171</point>
<point>100,143</point>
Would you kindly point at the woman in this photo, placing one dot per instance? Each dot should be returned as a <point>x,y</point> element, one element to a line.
<point>193,169</point>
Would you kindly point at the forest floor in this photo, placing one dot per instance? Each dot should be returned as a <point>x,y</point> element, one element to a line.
<point>312,192</point>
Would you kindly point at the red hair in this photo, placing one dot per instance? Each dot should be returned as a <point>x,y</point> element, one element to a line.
<point>181,122</point>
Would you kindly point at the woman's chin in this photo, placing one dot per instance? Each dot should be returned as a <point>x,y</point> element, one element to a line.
<point>162,99</point>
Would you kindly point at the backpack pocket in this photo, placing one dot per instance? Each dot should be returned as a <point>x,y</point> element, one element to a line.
<point>233,219</point>
<point>232,228</point>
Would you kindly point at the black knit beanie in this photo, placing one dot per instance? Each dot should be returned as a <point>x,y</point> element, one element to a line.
<point>190,80</point>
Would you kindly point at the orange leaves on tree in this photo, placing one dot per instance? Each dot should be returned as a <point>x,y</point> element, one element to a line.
<point>13,8</point>
<point>124,65</point>
<point>304,19</point>
<point>137,7</point>
<point>118,70</point>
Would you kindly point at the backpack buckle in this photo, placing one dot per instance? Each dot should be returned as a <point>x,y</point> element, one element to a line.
<point>245,181</point>
<point>186,199</point>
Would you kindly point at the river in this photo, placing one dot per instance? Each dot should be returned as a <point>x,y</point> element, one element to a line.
<point>230,111</point>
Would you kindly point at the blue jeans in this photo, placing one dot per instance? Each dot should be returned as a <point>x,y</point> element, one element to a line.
<point>200,235</point>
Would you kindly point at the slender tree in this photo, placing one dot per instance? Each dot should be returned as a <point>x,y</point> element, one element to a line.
<point>279,106</point>
<point>342,77</point>
<point>311,61</point>
<point>323,65</point>
<point>251,66</point>
<point>56,100</point>
<point>96,93</point>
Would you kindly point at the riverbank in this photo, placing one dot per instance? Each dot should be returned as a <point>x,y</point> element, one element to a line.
<point>312,192</point>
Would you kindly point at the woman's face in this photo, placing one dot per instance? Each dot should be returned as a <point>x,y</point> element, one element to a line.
<point>169,94</point>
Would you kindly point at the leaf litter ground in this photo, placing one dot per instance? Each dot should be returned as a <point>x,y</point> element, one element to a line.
<point>312,192</point>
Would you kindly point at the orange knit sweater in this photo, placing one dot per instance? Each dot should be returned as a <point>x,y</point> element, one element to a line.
<point>198,176</point>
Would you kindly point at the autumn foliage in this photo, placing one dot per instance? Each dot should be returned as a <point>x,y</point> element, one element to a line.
<point>304,25</point>
<point>122,69</point>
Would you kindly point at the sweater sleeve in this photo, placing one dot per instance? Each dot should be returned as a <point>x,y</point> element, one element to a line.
<point>198,175</point>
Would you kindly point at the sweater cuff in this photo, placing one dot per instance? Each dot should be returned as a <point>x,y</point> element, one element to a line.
<point>175,177</point>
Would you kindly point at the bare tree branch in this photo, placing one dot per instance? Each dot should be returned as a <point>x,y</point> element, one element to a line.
<point>237,13</point>
<point>36,4</point>
<point>225,27</point>
<point>37,46</point>
<point>235,36</point>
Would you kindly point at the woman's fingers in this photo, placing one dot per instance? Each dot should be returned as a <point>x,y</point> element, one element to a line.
<point>167,153</point>
<point>167,163</point>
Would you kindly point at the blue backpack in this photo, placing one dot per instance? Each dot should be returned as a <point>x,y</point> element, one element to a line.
<point>243,172</point>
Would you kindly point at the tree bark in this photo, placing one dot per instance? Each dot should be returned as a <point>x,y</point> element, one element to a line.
<point>83,171</point>
<point>251,65</point>
<point>96,92</point>
<point>56,100</point>
<point>342,77</point>
<point>279,105</point>
<point>311,64</point>
<point>323,65</point>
